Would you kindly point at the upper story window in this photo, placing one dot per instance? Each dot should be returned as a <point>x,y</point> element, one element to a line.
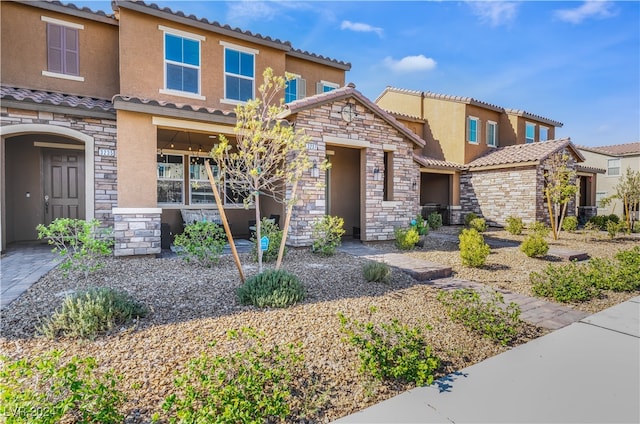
<point>530,132</point>
<point>544,133</point>
<point>181,62</point>
<point>325,86</point>
<point>239,72</point>
<point>473,129</point>
<point>296,89</point>
<point>63,51</point>
<point>492,133</point>
<point>613,167</point>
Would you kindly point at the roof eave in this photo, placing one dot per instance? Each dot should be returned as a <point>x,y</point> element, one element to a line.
<point>73,11</point>
<point>174,112</point>
<point>62,109</point>
<point>321,60</point>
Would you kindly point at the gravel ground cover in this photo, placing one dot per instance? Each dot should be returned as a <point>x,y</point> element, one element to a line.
<point>193,306</point>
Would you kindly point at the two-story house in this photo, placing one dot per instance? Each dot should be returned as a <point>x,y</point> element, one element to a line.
<point>500,158</point>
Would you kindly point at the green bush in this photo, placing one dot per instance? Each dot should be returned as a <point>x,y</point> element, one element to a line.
<point>271,288</point>
<point>44,389</point>
<point>326,235</point>
<point>434,219</point>
<point>540,228</point>
<point>274,234</point>
<point>90,312</point>
<point>251,386</point>
<point>201,242</point>
<point>420,225</point>
<point>473,249</point>
<point>406,238</point>
<point>570,224</point>
<point>534,246</point>
<point>80,243</point>
<point>377,272</point>
<point>602,220</point>
<point>469,217</point>
<point>391,350</point>
<point>565,283</point>
<point>613,228</point>
<point>478,224</point>
<point>514,225</point>
<point>491,317</point>
<point>636,227</point>
<point>628,270</point>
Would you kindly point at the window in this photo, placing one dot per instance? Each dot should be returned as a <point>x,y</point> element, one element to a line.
<point>182,63</point>
<point>296,89</point>
<point>544,133</point>
<point>170,179</point>
<point>473,127</point>
<point>530,132</point>
<point>600,195</point>
<point>239,72</point>
<point>325,86</point>
<point>613,167</point>
<point>492,133</point>
<point>200,191</point>
<point>387,193</point>
<point>235,192</point>
<point>63,51</point>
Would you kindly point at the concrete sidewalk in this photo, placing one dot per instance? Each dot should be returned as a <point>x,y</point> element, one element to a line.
<point>587,372</point>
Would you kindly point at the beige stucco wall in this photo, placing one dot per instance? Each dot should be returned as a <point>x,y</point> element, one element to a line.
<point>446,126</point>
<point>23,31</point>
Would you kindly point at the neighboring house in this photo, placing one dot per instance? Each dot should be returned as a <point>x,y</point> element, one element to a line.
<point>615,159</point>
<point>495,156</point>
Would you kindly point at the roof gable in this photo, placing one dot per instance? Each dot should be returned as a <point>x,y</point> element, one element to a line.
<point>615,149</point>
<point>525,153</point>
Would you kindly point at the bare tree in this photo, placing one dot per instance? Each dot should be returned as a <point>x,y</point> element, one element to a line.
<point>560,188</point>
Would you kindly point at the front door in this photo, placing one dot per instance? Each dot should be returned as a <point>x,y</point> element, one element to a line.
<point>63,184</point>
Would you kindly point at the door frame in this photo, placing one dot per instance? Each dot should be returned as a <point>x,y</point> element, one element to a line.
<point>46,154</point>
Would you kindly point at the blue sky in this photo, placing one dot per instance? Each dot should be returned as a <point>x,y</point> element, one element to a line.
<point>575,62</point>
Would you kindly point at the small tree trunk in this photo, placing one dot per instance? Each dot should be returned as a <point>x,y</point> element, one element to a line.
<point>551,216</point>
<point>562,215</point>
<point>285,230</point>
<point>258,231</point>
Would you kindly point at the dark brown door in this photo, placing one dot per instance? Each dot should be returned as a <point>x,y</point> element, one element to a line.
<point>63,184</point>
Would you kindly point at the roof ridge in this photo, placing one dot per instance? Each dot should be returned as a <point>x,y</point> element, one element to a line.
<point>54,98</point>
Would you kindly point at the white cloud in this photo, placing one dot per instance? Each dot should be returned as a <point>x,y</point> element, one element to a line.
<point>495,12</point>
<point>245,11</point>
<point>410,64</point>
<point>589,9</point>
<point>360,27</point>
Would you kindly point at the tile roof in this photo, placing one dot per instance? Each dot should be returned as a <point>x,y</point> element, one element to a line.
<point>615,149</point>
<point>435,163</point>
<point>590,169</point>
<point>55,99</point>
<point>347,91</point>
<point>170,105</point>
<point>523,153</point>
<point>72,9</point>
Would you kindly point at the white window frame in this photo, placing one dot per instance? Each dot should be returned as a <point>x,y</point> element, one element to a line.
<point>526,139</point>
<point>226,45</point>
<point>609,167</point>
<point>493,124</point>
<point>204,180</point>
<point>191,36</point>
<point>300,83</point>
<point>322,83</point>
<point>477,131</point>
<point>546,130</point>
<point>600,195</point>
<point>182,180</point>
<point>60,22</point>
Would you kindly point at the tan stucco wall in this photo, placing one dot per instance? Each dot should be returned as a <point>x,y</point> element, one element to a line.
<point>314,73</point>
<point>473,151</point>
<point>137,146</point>
<point>23,31</point>
<point>446,122</point>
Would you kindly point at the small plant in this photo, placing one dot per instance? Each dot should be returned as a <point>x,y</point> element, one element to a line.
<point>378,272</point>
<point>420,225</point>
<point>636,227</point>
<point>469,217</point>
<point>613,228</point>
<point>534,246</point>
<point>473,249</point>
<point>406,238</point>
<point>90,312</point>
<point>602,220</point>
<point>514,225</point>
<point>491,317</point>
<point>391,350</point>
<point>271,230</point>
<point>251,386</point>
<point>81,245</point>
<point>566,283</point>
<point>271,288</point>
<point>540,228</point>
<point>570,224</point>
<point>201,242</point>
<point>327,235</point>
<point>434,219</point>
<point>478,224</point>
<point>44,389</point>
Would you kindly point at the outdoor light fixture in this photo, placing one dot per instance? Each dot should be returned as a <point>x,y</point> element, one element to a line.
<point>315,171</point>
<point>415,184</point>
<point>377,175</point>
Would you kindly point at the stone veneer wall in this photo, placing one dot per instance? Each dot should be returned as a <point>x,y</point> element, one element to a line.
<point>381,217</point>
<point>137,231</point>
<point>103,132</point>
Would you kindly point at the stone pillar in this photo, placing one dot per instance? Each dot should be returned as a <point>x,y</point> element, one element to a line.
<point>137,231</point>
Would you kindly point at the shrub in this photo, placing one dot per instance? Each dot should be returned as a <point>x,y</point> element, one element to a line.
<point>434,219</point>
<point>274,234</point>
<point>43,389</point>
<point>514,225</point>
<point>602,220</point>
<point>406,238</point>
<point>469,217</point>
<point>565,283</point>
<point>90,312</point>
<point>478,224</point>
<point>626,272</point>
<point>420,225</point>
<point>534,246</point>
<point>391,350</point>
<point>473,249</point>
<point>251,386</point>
<point>81,245</point>
<point>377,271</point>
<point>327,235</point>
<point>613,228</point>
<point>491,317</point>
<point>570,224</point>
<point>636,227</point>
<point>271,288</point>
<point>201,242</point>
<point>540,228</point>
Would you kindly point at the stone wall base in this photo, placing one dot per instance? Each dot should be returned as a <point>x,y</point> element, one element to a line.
<point>137,231</point>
